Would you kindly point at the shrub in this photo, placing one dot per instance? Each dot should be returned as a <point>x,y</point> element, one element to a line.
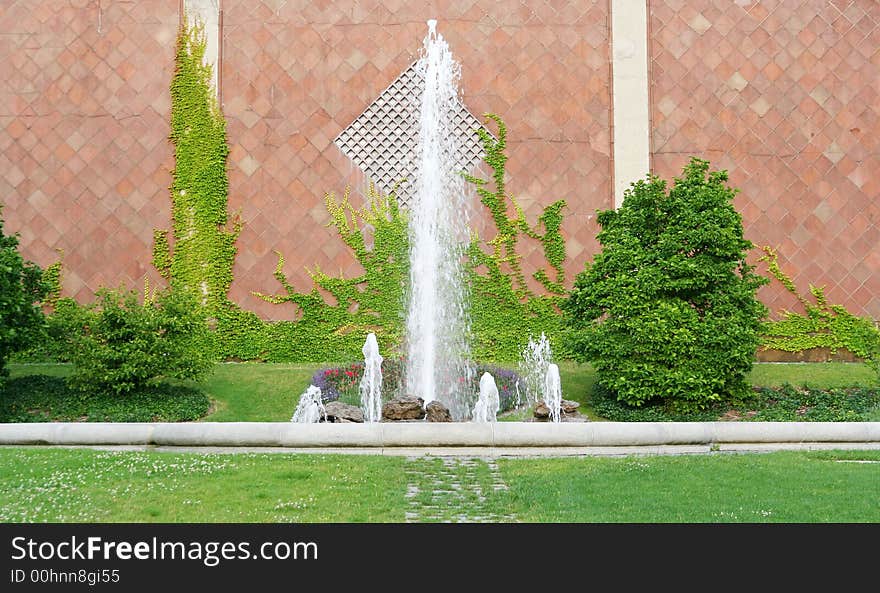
<point>120,345</point>
<point>667,310</point>
<point>22,289</point>
<point>40,398</point>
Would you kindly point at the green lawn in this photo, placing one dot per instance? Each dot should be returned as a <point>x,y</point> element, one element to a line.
<point>786,486</point>
<point>71,485</point>
<point>85,485</point>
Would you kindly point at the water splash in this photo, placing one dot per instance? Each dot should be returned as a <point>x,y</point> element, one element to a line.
<point>553,392</point>
<point>371,381</point>
<point>489,402</point>
<point>437,317</point>
<point>536,358</point>
<point>310,408</point>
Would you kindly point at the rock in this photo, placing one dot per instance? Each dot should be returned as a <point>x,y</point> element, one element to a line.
<point>569,407</point>
<point>542,410</point>
<point>339,412</point>
<point>437,412</point>
<point>404,408</point>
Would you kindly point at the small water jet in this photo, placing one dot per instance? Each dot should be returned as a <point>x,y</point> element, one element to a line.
<point>310,408</point>
<point>553,392</point>
<point>489,402</point>
<point>371,381</point>
<point>536,358</point>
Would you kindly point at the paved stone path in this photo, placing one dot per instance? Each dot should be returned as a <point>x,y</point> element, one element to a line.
<point>453,490</point>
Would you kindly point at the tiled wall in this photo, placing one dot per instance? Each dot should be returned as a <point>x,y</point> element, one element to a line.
<point>84,157</point>
<point>785,96</point>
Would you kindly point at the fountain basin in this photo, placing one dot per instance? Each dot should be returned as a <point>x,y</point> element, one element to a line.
<point>376,437</point>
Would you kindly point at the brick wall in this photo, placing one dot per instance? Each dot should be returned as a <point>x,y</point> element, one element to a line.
<point>84,157</point>
<point>785,96</point>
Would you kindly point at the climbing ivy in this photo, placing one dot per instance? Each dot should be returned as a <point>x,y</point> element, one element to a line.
<point>371,302</point>
<point>504,311</point>
<point>202,254</point>
<point>821,326</point>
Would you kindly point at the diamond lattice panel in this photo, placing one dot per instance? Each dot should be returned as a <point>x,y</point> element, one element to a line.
<point>382,141</point>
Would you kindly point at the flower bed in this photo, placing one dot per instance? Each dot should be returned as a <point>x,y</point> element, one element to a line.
<point>343,382</point>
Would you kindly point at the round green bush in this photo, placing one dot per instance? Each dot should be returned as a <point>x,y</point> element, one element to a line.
<point>667,310</point>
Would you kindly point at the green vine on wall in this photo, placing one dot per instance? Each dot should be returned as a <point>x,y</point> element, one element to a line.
<point>371,302</point>
<point>504,244</point>
<point>52,277</point>
<point>822,326</point>
<point>202,254</point>
<point>504,311</point>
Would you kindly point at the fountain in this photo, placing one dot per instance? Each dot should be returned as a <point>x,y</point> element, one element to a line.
<point>310,408</point>
<point>437,367</point>
<point>553,392</point>
<point>437,319</point>
<point>486,408</point>
<point>371,381</point>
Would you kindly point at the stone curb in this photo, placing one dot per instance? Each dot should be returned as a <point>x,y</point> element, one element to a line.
<point>420,435</point>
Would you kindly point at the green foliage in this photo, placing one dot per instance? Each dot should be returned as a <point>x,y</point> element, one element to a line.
<point>504,310</point>
<point>668,310</point>
<point>119,345</point>
<point>806,404</point>
<point>607,405</point>
<point>764,404</point>
<point>822,326</point>
<point>40,398</point>
<point>22,290</point>
<point>372,302</point>
<point>203,251</point>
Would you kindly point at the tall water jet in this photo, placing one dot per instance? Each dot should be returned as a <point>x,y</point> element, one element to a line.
<point>489,402</point>
<point>553,392</point>
<point>437,318</point>
<point>536,358</point>
<point>310,408</point>
<point>371,381</point>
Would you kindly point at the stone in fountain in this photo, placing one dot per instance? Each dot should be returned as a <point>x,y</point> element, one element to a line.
<point>488,404</point>
<point>310,408</point>
<point>371,381</point>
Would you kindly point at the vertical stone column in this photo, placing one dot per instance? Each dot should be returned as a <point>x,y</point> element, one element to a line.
<point>208,13</point>
<point>629,83</point>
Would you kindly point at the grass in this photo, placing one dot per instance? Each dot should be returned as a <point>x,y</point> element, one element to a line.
<point>85,485</point>
<point>780,487</point>
<point>263,392</point>
<point>257,392</point>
